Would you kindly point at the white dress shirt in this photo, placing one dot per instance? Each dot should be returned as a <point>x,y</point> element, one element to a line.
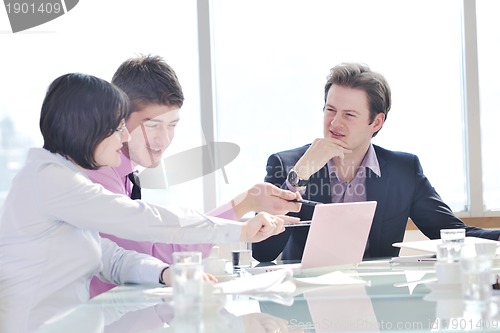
<point>50,245</point>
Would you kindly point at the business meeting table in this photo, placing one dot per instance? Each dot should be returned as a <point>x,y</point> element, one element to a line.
<point>389,297</point>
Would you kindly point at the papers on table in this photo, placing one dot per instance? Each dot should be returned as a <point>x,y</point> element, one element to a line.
<point>331,279</point>
<point>282,281</point>
<point>280,287</point>
<point>275,282</point>
<point>431,244</point>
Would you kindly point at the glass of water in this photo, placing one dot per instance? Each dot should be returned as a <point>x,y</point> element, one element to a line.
<point>476,261</point>
<point>187,280</point>
<point>242,256</point>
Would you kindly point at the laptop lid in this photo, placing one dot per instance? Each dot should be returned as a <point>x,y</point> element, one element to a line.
<point>338,234</point>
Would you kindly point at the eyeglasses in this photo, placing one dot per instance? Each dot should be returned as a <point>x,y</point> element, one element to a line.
<point>121,128</point>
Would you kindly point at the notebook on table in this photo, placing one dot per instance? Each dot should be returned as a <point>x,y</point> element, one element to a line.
<point>337,236</point>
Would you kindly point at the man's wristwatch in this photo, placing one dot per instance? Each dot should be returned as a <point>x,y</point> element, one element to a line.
<point>295,181</point>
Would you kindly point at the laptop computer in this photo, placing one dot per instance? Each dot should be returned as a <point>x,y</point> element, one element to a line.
<point>337,236</point>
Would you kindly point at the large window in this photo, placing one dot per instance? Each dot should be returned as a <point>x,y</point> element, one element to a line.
<point>268,66</point>
<point>488,35</point>
<point>271,63</point>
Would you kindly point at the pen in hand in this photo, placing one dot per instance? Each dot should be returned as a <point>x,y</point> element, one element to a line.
<point>306,202</point>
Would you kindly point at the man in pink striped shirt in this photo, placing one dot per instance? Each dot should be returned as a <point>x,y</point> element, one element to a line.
<point>156,98</point>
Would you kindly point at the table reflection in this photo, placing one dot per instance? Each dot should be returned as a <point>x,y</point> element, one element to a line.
<point>393,299</point>
<point>128,309</point>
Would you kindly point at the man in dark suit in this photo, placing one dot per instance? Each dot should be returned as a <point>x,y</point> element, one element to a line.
<point>344,166</point>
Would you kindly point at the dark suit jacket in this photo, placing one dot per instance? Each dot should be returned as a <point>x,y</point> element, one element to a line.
<point>401,192</point>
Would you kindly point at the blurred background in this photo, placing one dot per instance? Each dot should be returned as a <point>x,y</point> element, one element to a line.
<point>253,74</point>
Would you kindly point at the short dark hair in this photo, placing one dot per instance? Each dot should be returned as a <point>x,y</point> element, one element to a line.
<point>148,79</point>
<point>360,76</point>
<point>79,111</point>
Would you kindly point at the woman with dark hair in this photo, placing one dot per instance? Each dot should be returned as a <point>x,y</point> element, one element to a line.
<point>49,228</point>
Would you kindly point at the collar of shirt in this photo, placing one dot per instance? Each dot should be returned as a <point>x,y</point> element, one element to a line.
<point>123,170</point>
<point>355,190</point>
<point>125,167</point>
<point>370,161</point>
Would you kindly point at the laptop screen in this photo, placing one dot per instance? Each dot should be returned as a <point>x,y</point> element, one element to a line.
<point>338,234</point>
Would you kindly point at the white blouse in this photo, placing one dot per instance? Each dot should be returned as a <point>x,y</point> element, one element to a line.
<point>50,245</point>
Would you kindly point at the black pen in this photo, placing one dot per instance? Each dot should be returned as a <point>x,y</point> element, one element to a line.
<point>306,202</point>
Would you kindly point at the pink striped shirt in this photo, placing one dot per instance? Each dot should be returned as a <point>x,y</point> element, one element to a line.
<point>116,180</point>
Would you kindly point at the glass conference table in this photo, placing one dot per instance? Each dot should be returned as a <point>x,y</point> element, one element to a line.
<point>393,297</point>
